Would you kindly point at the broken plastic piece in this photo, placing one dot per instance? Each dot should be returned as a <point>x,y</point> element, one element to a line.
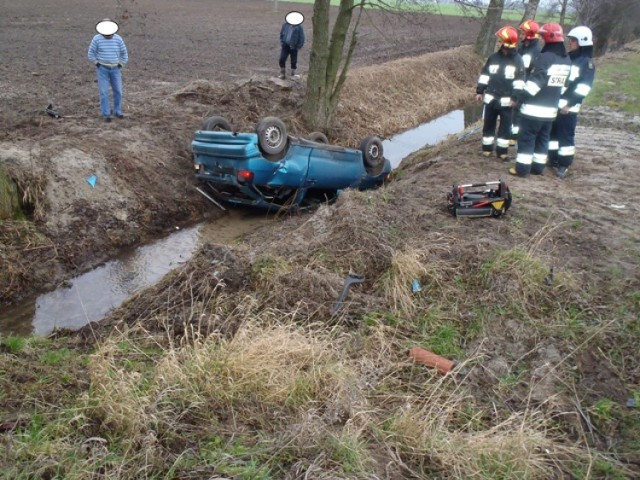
<point>415,285</point>
<point>92,180</point>
<point>430,359</point>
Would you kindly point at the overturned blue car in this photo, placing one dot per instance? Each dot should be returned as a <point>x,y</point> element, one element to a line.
<point>271,169</point>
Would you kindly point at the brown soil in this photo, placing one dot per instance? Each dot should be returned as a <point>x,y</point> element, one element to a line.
<point>585,226</point>
<point>187,61</point>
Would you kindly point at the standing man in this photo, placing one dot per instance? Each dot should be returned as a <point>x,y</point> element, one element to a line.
<point>291,40</point>
<point>562,146</point>
<point>539,105</point>
<point>500,85</point>
<point>529,49</point>
<point>109,53</point>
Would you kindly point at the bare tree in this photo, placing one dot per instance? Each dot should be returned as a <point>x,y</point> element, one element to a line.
<point>612,21</point>
<point>486,41</point>
<point>332,51</point>
<point>530,10</point>
<point>326,78</point>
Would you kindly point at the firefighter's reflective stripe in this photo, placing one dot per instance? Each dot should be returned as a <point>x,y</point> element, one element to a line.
<point>488,98</point>
<point>539,158</point>
<point>518,84</point>
<point>575,73</point>
<point>539,111</point>
<point>531,88</point>
<point>488,140</point>
<point>583,89</point>
<point>567,151</point>
<point>554,145</point>
<point>505,101</point>
<point>515,129</point>
<point>502,143</point>
<point>524,158</point>
<point>483,80</point>
<point>526,59</point>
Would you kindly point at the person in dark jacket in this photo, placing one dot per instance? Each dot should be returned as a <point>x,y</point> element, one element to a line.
<point>499,86</point>
<point>529,49</point>
<point>539,104</point>
<point>562,146</point>
<point>291,40</point>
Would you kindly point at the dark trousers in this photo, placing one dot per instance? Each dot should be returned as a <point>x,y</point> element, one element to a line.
<point>533,146</point>
<point>562,147</point>
<point>285,51</point>
<point>515,124</point>
<point>491,115</point>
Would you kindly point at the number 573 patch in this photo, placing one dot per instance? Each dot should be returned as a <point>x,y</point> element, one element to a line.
<point>557,80</point>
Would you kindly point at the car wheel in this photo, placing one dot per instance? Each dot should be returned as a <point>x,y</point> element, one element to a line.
<point>216,123</point>
<point>318,137</point>
<point>272,135</point>
<point>372,154</point>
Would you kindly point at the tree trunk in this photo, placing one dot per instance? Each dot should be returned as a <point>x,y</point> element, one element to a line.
<point>486,42</point>
<point>326,78</point>
<point>563,11</point>
<point>530,10</point>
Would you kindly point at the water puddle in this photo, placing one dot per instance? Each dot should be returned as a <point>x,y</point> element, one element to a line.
<point>403,144</point>
<point>89,297</point>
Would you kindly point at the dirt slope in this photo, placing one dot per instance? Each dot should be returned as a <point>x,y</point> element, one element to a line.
<point>143,163</point>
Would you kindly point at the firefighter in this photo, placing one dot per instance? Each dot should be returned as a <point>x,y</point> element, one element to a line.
<point>563,132</point>
<point>529,49</point>
<point>499,86</point>
<point>539,104</point>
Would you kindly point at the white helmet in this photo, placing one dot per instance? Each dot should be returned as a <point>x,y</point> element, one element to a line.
<point>583,35</point>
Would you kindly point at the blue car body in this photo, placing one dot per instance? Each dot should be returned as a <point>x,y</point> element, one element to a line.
<point>237,172</point>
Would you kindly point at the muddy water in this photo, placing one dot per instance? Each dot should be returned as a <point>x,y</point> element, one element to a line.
<point>91,296</point>
<point>403,144</point>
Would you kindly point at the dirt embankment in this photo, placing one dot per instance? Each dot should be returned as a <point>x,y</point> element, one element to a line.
<point>143,163</point>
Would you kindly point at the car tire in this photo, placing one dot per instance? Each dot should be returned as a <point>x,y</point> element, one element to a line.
<point>272,136</point>
<point>216,123</point>
<point>318,137</point>
<point>372,155</point>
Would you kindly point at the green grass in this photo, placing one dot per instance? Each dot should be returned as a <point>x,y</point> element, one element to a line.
<point>14,344</point>
<point>445,9</point>
<point>617,84</point>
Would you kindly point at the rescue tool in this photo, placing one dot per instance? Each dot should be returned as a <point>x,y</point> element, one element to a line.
<point>493,201</point>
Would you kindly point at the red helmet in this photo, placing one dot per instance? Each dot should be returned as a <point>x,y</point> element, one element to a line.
<point>530,29</point>
<point>552,33</point>
<point>508,36</point>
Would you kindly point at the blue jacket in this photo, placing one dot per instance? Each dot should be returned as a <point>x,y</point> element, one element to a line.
<point>292,35</point>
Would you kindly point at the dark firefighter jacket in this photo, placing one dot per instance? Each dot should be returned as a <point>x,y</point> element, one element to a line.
<point>502,78</point>
<point>580,79</point>
<point>545,84</point>
<point>529,51</point>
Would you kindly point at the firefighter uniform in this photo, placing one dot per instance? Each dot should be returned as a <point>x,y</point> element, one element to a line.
<point>539,103</point>
<point>562,144</point>
<point>529,50</point>
<point>500,83</point>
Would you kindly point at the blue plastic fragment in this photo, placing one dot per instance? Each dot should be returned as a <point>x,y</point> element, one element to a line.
<point>92,180</point>
<point>415,285</point>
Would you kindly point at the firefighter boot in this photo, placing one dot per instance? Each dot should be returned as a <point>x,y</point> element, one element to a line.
<point>562,172</point>
<point>283,74</point>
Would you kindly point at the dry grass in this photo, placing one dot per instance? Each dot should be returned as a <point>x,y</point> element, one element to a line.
<point>389,98</point>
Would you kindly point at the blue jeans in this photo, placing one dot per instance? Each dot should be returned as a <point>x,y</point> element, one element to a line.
<point>110,77</point>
